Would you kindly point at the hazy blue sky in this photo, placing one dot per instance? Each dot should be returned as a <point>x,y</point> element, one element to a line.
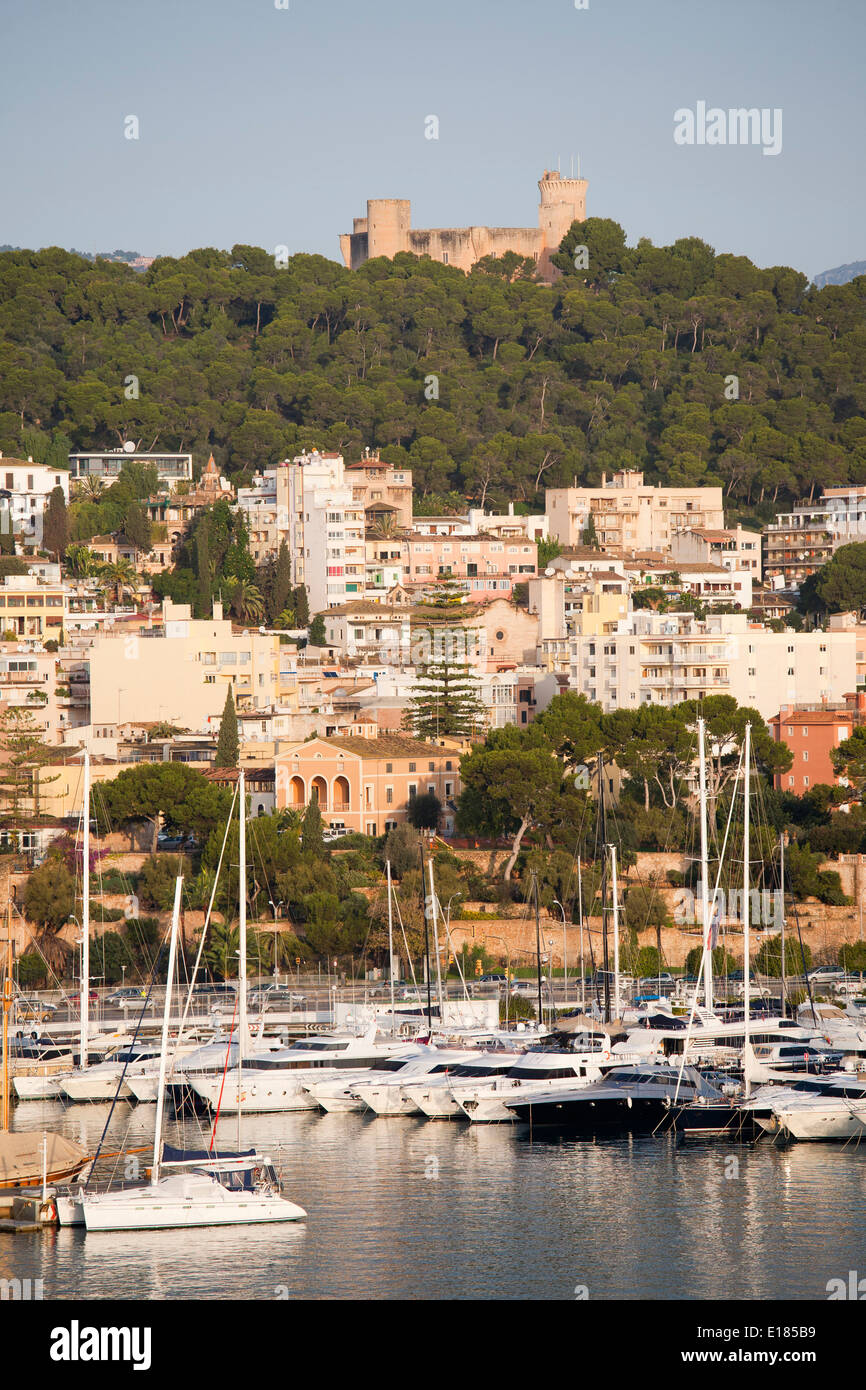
<point>274,126</point>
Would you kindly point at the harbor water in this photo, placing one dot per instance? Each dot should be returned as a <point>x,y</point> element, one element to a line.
<point>413,1209</point>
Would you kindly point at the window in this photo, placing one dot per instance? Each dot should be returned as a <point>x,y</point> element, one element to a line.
<point>448,788</point>
<point>413,790</point>
<point>431,767</point>
<point>790,726</point>
<point>805,781</point>
<point>805,755</point>
<point>805,731</point>
<point>411,767</point>
<point>389,767</point>
<point>389,796</point>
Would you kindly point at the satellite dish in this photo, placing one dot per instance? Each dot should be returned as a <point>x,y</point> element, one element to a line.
<point>129,447</point>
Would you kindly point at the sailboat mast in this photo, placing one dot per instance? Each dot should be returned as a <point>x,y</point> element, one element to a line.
<point>7,1004</point>
<point>538,948</point>
<point>426,942</point>
<point>782,897</point>
<point>746,913</point>
<point>242,920</point>
<point>705,870</point>
<point>84,994</point>
<point>390,944</point>
<point>436,944</point>
<point>615,930</point>
<point>163,1051</point>
<point>580,912</point>
<point>603,836</point>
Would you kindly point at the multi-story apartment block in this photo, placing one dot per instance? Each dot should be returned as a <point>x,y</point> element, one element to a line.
<point>105,465</point>
<point>629,514</point>
<point>33,608</point>
<point>29,486</point>
<point>664,659</point>
<point>484,566</point>
<point>800,541</point>
<point>733,549</point>
<point>797,544</point>
<point>812,733</point>
<point>180,675</point>
<point>383,492</point>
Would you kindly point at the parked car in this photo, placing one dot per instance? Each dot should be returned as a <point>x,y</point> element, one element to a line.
<point>527,986</point>
<point>275,997</point>
<point>175,844</point>
<point>335,832</point>
<point>215,989</point>
<point>34,1009</point>
<point>91,994</point>
<point>131,994</point>
<point>493,980</point>
<point>823,973</point>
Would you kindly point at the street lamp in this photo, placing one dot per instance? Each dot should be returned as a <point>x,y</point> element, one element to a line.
<point>276,908</point>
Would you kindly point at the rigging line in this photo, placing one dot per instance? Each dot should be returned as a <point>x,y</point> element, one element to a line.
<point>206,923</point>
<point>706,939</point>
<point>223,1081</point>
<point>130,1048</point>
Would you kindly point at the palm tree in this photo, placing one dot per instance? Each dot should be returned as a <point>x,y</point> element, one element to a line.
<point>121,577</point>
<point>80,561</point>
<point>91,489</point>
<point>248,601</point>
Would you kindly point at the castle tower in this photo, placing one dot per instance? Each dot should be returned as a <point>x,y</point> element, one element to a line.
<point>562,201</point>
<point>388,223</point>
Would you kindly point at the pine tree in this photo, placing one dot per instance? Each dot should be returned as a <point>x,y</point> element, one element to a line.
<point>22,754</point>
<point>589,535</point>
<point>54,528</point>
<point>280,594</point>
<point>302,606</point>
<point>312,830</point>
<point>7,535</point>
<point>228,745</point>
<point>447,704</point>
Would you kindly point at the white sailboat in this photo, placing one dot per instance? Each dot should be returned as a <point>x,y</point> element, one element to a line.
<point>206,1188</point>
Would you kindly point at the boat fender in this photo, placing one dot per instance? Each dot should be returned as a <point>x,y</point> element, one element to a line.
<point>605,1056</point>
<point>48,1212</point>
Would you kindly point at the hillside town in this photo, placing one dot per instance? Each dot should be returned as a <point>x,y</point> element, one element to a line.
<point>361,655</point>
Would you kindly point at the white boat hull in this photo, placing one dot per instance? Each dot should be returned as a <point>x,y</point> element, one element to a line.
<point>192,1200</point>
<point>263,1096</point>
<point>86,1085</point>
<point>836,1120</point>
<point>388,1100</point>
<point>39,1087</point>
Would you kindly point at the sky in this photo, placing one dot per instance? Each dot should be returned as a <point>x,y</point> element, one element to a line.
<point>273,125</point>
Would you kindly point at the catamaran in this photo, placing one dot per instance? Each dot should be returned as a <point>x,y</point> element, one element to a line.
<point>207,1188</point>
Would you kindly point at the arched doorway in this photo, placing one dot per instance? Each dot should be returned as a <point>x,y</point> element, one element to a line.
<point>341,793</point>
<point>319,792</point>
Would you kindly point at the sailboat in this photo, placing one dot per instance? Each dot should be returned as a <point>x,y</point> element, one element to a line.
<point>36,1157</point>
<point>205,1188</point>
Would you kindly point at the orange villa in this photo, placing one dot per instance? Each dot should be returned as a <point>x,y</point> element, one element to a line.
<point>365,784</point>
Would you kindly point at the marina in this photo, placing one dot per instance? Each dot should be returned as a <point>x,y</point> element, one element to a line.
<point>407,1209</point>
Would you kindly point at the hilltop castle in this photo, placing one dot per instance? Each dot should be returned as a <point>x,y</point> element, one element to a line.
<point>387,229</point>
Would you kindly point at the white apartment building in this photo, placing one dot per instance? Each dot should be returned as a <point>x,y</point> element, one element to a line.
<point>181,675</point>
<point>630,514</point>
<point>29,486</point>
<point>106,465</point>
<point>664,659</point>
<point>734,549</point>
<point>507,526</point>
<point>310,503</point>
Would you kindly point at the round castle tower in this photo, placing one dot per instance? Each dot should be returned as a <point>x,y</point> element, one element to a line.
<point>388,223</point>
<point>562,201</point>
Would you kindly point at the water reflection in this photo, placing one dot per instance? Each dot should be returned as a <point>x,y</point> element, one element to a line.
<point>405,1208</point>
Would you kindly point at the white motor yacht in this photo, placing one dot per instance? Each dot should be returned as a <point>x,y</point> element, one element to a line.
<point>275,1083</point>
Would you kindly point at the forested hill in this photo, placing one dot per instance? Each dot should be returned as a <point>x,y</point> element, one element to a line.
<point>489,385</point>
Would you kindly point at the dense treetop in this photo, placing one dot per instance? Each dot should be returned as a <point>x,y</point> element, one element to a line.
<point>489,385</point>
